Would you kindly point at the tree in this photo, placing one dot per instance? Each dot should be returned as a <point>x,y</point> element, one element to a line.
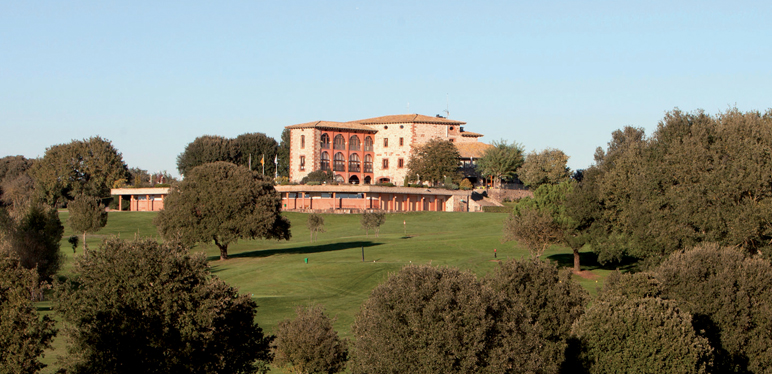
<point>31,235</point>
<point>554,302</point>
<point>220,202</point>
<point>640,335</point>
<point>729,294</point>
<point>88,167</point>
<point>441,320</point>
<point>433,161</point>
<point>315,225</point>
<point>532,228</point>
<point>284,153</point>
<point>87,215</point>
<point>319,176</point>
<point>203,150</point>
<point>16,186</point>
<point>255,146</point>
<point>501,161</point>
<point>373,221</point>
<point>23,334</point>
<point>309,344</point>
<point>140,306</point>
<point>547,166</point>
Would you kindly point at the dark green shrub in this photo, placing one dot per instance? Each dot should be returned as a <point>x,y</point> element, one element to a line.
<point>309,343</point>
<point>496,209</point>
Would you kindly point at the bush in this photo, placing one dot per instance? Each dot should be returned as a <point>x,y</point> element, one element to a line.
<point>141,306</point>
<point>465,184</point>
<point>23,334</point>
<point>441,320</point>
<point>319,176</point>
<point>309,343</point>
<point>554,302</point>
<point>642,335</point>
<point>32,237</point>
<point>386,184</point>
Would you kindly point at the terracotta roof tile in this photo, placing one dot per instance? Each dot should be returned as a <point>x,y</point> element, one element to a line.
<point>332,125</point>
<point>472,149</point>
<point>471,134</point>
<point>410,118</point>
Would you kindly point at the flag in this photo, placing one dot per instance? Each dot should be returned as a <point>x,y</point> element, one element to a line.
<point>262,160</point>
<point>276,159</point>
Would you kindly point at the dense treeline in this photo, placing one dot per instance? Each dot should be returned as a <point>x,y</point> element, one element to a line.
<point>698,178</point>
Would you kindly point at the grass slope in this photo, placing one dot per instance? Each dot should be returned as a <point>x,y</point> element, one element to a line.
<point>278,278</point>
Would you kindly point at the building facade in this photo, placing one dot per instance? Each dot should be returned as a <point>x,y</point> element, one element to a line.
<point>373,150</point>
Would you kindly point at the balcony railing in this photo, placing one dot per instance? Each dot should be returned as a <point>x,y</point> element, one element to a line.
<point>353,166</point>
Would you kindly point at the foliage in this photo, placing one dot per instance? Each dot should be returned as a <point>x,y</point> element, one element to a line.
<point>730,294</point>
<point>547,166</point>
<point>433,161</point>
<point>284,153</point>
<point>501,161</point>
<point>88,167</point>
<point>554,302</point>
<point>640,335</point>
<point>31,235</point>
<point>87,215</point>
<point>73,240</point>
<point>23,335</point>
<point>315,225</point>
<point>141,306</point>
<point>532,228</point>
<point>142,178</point>
<point>698,178</point>
<point>211,148</point>
<point>222,202</point>
<point>496,209</point>
<point>308,344</point>
<point>319,176</point>
<point>442,320</point>
<point>465,184</point>
<point>16,186</point>
<point>373,221</point>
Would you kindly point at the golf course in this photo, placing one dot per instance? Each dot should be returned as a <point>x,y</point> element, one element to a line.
<point>331,271</point>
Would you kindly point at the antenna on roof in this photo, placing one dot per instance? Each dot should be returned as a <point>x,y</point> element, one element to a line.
<point>447,106</point>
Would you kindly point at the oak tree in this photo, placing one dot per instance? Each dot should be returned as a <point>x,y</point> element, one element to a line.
<point>501,161</point>
<point>220,202</point>
<point>31,234</point>
<point>145,307</point>
<point>373,221</point>
<point>308,344</point>
<point>547,166</point>
<point>315,225</point>
<point>433,161</point>
<point>87,215</point>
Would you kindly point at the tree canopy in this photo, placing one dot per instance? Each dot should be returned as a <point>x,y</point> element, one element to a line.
<point>501,161</point>
<point>87,215</point>
<point>222,202</point>
<point>90,166</point>
<point>547,166</point>
<point>16,185</point>
<point>239,151</point>
<point>442,320</point>
<point>140,306</point>
<point>31,234</point>
<point>698,178</point>
<point>373,221</point>
<point>309,344</point>
<point>433,161</point>
<point>283,153</point>
<point>23,334</point>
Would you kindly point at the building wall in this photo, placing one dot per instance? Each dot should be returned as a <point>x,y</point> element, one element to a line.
<point>310,151</point>
<point>393,152</point>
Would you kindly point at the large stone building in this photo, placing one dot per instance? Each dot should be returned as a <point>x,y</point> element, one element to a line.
<point>373,150</point>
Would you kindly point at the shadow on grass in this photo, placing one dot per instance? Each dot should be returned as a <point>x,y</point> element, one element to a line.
<point>301,250</point>
<point>589,261</point>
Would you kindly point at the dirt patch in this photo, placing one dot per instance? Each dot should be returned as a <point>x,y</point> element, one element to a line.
<point>586,274</point>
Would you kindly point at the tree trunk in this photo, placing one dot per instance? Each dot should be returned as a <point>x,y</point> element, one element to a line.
<point>223,250</point>
<point>577,267</point>
<point>85,247</point>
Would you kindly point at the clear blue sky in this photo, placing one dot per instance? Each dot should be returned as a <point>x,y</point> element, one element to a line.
<point>152,76</point>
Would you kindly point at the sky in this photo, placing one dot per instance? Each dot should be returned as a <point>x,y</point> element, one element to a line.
<point>151,76</point>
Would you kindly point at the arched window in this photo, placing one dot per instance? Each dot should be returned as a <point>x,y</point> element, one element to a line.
<point>326,160</point>
<point>368,163</point>
<point>353,163</point>
<point>325,141</point>
<point>353,143</point>
<point>368,144</point>
<point>339,142</point>
<point>339,163</point>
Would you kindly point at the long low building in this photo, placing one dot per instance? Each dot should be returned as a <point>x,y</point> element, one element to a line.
<point>142,199</point>
<point>352,199</point>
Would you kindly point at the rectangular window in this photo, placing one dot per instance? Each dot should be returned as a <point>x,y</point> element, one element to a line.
<point>401,141</point>
<point>401,163</point>
<point>385,163</point>
<point>302,141</point>
<point>385,142</point>
<point>302,162</point>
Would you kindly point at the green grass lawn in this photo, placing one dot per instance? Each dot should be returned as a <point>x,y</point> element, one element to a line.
<point>278,278</point>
